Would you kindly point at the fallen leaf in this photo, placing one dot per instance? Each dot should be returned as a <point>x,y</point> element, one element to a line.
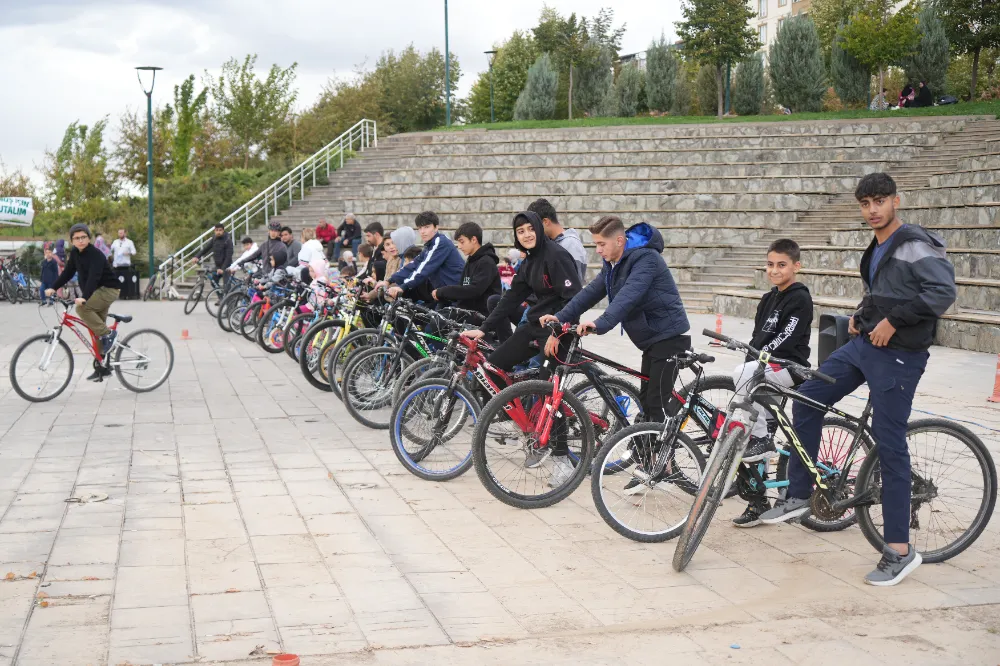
<point>10,576</point>
<point>330,475</point>
<point>231,590</point>
<point>42,595</point>
<point>44,604</point>
<point>32,574</point>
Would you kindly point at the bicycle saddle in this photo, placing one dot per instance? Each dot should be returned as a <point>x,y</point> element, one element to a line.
<point>120,318</point>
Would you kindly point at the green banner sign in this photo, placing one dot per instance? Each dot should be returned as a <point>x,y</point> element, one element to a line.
<point>17,211</point>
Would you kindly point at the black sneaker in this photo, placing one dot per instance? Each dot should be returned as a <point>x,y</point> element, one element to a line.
<point>759,448</point>
<point>751,517</point>
<point>98,375</point>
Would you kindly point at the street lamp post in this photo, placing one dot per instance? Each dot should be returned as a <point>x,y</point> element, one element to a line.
<point>447,70</point>
<point>492,55</point>
<point>149,152</point>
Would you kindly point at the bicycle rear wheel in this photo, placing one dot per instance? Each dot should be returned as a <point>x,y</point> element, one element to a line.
<point>192,300</point>
<point>299,324</point>
<point>721,467</point>
<point>335,359</point>
<point>432,428</point>
<point>251,320</point>
<point>270,334</point>
<point>226,307</point>
<point>432,367</point>
<point>635,505</point>
<point>500,448</point>
<point>367,385</point>
<point>143,360</point>
<point>41,368</point>
<point>626,398</point>
<point>953,490</point>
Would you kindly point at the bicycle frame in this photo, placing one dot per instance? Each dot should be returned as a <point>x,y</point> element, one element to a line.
<point>72,323</point>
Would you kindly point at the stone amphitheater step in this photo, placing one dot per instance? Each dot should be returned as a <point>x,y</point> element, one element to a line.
<point>963,329</point>
<point>969,263</point>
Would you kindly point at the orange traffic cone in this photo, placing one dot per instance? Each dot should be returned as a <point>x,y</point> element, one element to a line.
<point>185,335</point>
<point>996,384</point>
<point>718,330</point>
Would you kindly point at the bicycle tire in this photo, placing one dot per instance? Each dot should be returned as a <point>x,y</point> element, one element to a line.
<point>310,362</point>
<point>396,431</point>
<point>150,287</point>
<point>265,335</point>
<point>11,290</point>
<point>418,371</point>
<point>121,349</point>
<point>481,435</point>
<point>867,445</point>
<point>17,355</point>
<point>602,468</point>
<point>710,494</point>
<point>225,309</point>
<point>213,301</point>
<point>251,320</point>
<point>340,355</point>
<point>296,327</point>
<point>870,474</point>
<point>359,405</point>
<point>191,302</point>
<point>618,387</point>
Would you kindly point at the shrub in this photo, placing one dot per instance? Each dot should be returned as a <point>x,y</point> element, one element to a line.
<point>708,91</point>
<point>538,99</point>
<point>662,67</point>
<point>851,79</point>
<point>748,86</point>
<point>628,87</point>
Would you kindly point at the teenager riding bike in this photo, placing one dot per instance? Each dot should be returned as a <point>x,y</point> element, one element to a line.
<point>98,287</point>
<point>908,284</point>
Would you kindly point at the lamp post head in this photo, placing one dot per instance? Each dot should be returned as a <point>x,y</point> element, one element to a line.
<point>492,55</point>
<point>147,68</point>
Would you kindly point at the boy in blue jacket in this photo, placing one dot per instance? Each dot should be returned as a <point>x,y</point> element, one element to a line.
<point>439,265</point>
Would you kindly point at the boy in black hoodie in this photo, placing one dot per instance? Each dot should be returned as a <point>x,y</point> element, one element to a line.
<point>480,278</point>
<point>782,327</point>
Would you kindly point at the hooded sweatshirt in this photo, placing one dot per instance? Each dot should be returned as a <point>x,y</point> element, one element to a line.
<point>269,247</point>
<point>480,280</point>
<point>549,274</point>
<point>783,323</point>
<point>642,294</point>
<point>912,286</point>
<point>569,240</point>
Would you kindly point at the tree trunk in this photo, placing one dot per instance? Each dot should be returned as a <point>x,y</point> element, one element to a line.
<point>720,94</point>
<point>881,81</point>
<point>246,156</point>
<point>975,73</point>
<point>570,100</point>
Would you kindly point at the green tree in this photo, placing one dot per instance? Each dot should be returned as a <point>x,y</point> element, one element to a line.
<point>829,16</point>
<point>851,79</point>
<point>971,26</point>
<point>628,87</point>
<point>930,62</point>
<point>17,184</point>
<point>188,108</point>
<point>411,87</point>
<point>748,86</point>
<point>717,33</point>
<point>959,80</point>
<point>878,37</point>
<point>510,72</point>
<point>796,66</point>
<point>538,99</point>
<point>684,94</point>
<point>595,84</point>
<point>662,66</point>
<point>251,109</point>
<point>129,152</point>
<point>78,172</point>
<point>707,89</point>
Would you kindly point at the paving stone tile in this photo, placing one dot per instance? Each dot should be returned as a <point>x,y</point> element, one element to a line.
<point>222,577</point>
<point>150,586</point>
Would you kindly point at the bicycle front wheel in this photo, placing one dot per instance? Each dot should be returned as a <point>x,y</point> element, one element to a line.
<point>513,465</point>
<point>432,367</point>
<point>41,368</point>
<point>636,505</point>
<point>368,382</point>
<point>432,428</point>
<point>720,470</point>
<point>314,341</point>
<point>144,360</point>
<point>953,490</point>
<point>213,300</point>
<point>192,300</point>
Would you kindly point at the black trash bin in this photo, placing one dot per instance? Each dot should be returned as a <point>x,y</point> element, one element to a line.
<point>833,334</point>
<point>129,280</point>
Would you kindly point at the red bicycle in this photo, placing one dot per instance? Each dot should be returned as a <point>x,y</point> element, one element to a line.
<point>42,366</point>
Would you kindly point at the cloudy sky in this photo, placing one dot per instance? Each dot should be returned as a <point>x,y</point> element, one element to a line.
<point>67,60</point>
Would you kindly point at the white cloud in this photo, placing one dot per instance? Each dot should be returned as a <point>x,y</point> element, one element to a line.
<point>73,59</point>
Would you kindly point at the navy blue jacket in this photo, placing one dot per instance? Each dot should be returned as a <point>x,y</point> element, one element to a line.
<point>440,263</point>
<point>50,271</point>
<point>642,294</point>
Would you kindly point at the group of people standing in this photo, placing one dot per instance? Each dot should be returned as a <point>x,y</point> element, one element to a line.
<point>118,255</point>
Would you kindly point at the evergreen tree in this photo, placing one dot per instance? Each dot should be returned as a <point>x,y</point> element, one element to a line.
<point>538,99</point>
<point>628,87</point>
<point>717,33</point>
<point>593,81</point>
<point>851,79</point>
<point>683,94</point>
<point>930,63</point>
<point>796,66</point>
<point>748,86</point>
<point>661,75</point>
<point>510,72</point>
<point>707,89</point>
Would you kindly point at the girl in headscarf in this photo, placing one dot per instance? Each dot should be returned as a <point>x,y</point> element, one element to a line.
<point>400,241</point>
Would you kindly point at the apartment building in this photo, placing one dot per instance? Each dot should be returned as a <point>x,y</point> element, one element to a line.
<point>771,14</point>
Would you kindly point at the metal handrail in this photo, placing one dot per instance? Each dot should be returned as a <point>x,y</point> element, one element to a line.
<point>258,210</point>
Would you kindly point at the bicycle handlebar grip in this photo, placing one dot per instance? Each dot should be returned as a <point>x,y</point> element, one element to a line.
<point>708,333</point>
<point>705,358</point>
<point>826,378</point>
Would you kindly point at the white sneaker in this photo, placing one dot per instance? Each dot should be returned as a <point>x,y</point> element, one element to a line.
<point>562,471</point>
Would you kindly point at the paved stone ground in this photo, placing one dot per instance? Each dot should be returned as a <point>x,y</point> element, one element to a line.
<point>248,510</point>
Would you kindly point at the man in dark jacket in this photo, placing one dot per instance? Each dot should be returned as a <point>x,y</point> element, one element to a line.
<point>642,297</point>
<point>908,284</point>
<point>268,248</point>
<point>98,289</point>
<point>438,265</point>
<point>374,236</point>
<point>481,277</point>
<point>348,236</point>
<point>221,248</point>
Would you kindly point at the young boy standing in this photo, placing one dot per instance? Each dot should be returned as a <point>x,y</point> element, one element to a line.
<point>480,279</point>
<point>782,327</point>
<point>50,273</point>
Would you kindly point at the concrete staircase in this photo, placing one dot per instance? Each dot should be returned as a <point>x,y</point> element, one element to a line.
<point>719,193</point>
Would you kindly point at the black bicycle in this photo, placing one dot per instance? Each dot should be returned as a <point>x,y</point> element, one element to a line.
<point>954,481</point>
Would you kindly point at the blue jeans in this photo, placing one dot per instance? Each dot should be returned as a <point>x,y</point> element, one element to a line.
<point>892,378</point>
<point>338,248</point>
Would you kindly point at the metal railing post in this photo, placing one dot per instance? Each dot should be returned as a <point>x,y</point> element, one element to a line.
<point>247,224</point>
<point>375,129</point>
<point>290,202</point>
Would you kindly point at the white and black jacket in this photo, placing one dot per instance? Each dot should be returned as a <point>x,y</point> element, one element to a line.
<point>783,323</point>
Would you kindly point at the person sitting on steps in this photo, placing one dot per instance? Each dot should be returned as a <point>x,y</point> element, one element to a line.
<point>98,286</point>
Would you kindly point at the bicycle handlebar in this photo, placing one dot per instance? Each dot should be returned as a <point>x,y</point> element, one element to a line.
<point>736,345</point>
